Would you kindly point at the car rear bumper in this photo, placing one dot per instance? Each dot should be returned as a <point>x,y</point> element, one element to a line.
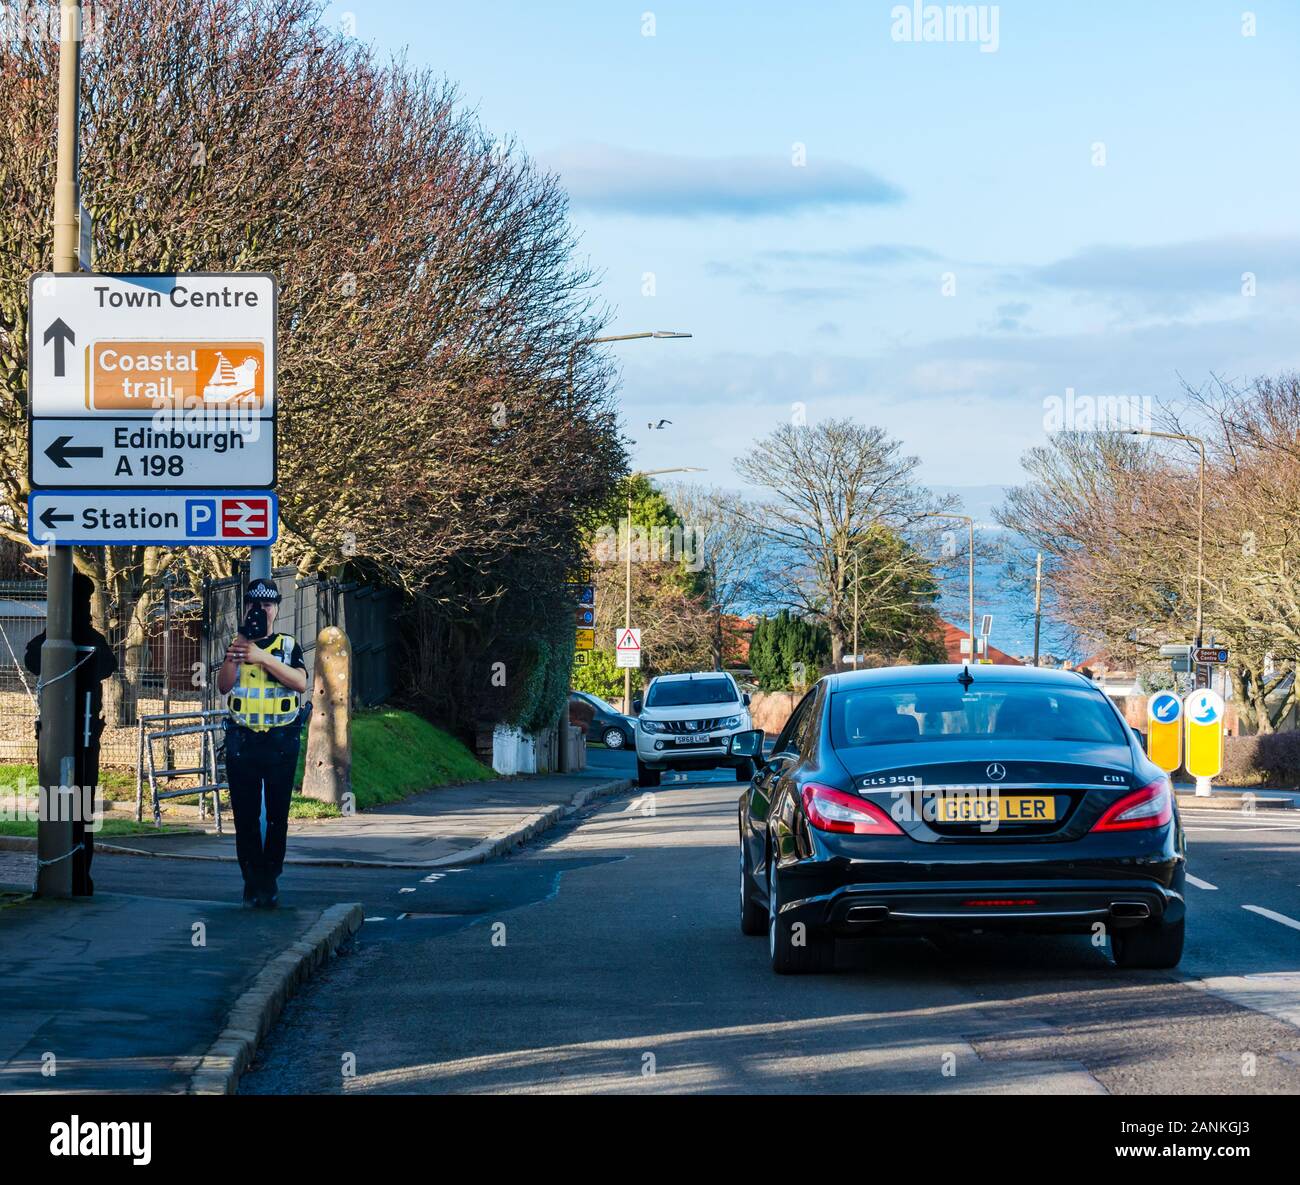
<point>1068,894</point>
<point>1058,907</point>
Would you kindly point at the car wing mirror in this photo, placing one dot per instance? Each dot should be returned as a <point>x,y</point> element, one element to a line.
<point>745,699</point>
<point>636,707</point>
<point>747,744</point>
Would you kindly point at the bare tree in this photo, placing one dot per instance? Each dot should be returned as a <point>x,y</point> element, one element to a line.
<point>727,549</point>
<point>831,486</point>
<point>428,296</point>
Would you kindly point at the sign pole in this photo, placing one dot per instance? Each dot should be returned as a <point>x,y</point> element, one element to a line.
<point>627,603</point>
<point>55,759</point>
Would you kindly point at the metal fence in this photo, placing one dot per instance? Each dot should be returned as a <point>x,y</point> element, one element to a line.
<point>169,650</point>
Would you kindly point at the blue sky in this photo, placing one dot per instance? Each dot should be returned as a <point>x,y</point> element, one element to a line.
<point>823,283</point>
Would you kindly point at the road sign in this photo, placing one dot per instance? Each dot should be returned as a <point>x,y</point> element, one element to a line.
<point>1204,711</point>
<point>1176,650</point>
<point>627,647</point>
<point>584,616</point>
<point>206,518</point>
<point>582,658</point>
<point>986,625</point>
<point>586,640</point>
<point>1165,730</point>
<point>85,453</point>
<point>1211,654</point>
<point>148,381</point>
<point>584,594</point>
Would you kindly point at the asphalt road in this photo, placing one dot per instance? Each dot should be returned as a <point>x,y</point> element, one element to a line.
<point>606,957</point>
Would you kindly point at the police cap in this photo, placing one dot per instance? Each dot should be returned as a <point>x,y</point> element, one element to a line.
<point>263,590</point>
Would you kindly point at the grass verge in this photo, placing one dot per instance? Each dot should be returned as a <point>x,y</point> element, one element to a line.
<point>396,754</point>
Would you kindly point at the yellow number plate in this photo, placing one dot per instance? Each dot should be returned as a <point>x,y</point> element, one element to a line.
<point>992,808</point>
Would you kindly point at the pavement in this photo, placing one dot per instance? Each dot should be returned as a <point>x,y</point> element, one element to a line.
<point>128,994</point>
<point>162,983</point>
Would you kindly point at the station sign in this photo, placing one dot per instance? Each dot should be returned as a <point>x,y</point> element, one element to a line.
<point>1204,712</point>
<point>1165,730</point>
<point>147,381</point>
<point>207,518</point>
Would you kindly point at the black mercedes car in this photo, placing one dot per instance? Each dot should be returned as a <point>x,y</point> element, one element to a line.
<point>930,799</point>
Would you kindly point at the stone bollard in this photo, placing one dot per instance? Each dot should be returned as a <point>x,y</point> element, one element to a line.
<point>327,771</point>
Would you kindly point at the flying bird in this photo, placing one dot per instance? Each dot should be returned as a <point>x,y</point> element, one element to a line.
<point>661,424</point>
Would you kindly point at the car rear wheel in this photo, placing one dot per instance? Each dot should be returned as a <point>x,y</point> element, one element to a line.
<point>1155,945</point>
<point>614,738</point>
<point>645,776</point>
<point>753,917</point>
<point>745,771</point>
<point>794,949</point>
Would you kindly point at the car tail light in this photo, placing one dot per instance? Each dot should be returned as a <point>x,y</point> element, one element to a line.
<point>834,810</point>
<point>1152,806</point>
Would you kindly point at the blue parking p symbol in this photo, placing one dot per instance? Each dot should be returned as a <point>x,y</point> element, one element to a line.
<point>200,518</point>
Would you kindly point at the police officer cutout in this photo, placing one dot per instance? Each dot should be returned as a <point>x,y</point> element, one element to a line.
<point>266,678</point>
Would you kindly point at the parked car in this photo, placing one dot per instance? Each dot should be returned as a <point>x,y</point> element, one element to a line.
<point>687,722</point>
<point>601,721</point>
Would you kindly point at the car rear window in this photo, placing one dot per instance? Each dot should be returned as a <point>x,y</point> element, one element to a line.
<point>680,692</point>
<point>933,712</point>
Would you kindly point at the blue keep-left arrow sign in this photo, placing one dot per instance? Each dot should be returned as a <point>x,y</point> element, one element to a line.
<point>1165,708</point>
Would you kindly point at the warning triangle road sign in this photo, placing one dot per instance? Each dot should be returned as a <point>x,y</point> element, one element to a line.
<point>628,639</point>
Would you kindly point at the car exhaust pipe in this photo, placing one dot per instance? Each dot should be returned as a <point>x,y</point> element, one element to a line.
<point>867,913</point>
<point>1130,909</point>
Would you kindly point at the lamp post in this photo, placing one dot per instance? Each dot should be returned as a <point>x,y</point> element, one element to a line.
<point>627,585</point>
<point>55,756</point>
<point>970,526</point>
<point>1200,518</point>
<point>656,334</point>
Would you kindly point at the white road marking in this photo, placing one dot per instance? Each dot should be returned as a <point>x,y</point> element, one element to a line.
<point>1200,884</point>
<point>406,890</point>
<point>376,919</point>
<point>433,876</point>
<point>1272,916</point>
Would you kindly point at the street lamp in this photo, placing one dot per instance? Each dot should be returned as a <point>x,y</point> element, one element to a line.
<point>627,588</point>
<point>1200,515</point>
<point>970,526</point>
<point>658,334</point>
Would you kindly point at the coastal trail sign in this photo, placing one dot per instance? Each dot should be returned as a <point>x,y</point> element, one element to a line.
<point>148,381</point>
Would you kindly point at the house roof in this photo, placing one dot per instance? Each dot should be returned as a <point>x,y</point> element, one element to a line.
<point>952,640</point>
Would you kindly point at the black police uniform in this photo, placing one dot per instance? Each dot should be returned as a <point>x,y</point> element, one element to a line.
<point>260,766</point>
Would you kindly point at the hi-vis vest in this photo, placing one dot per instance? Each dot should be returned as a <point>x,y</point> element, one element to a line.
<point>257,701</point>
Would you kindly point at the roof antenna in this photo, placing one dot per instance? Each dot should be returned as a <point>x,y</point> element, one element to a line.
<point>965,678</point>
